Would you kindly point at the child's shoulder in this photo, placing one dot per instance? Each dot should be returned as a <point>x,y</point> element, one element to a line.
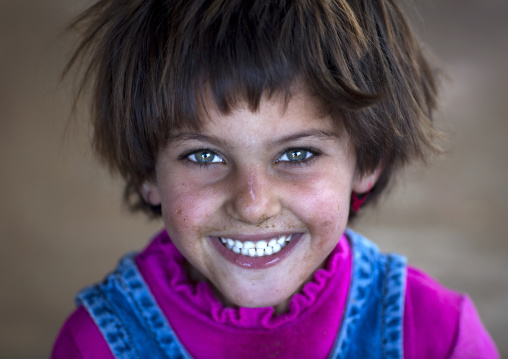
<point>80,338</point>
<point>437,322</point>
<point>442,323</point>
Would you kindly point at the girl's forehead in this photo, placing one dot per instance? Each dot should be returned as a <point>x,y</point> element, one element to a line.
<point>277,119</point>
<point>278,115</point>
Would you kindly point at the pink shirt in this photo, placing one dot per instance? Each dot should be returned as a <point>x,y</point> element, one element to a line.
<point>438,323</point>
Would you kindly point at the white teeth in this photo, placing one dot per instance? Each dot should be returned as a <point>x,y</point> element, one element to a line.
<point>249,245</point>
<point>261,244</point>
<point>257,249</point>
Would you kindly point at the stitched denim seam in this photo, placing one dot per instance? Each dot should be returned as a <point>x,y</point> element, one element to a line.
<point>84,298</point>
<point>172,345</point>
<point>362,263</point>
<point>383,307</point>
<point>392,319</point>
<point>391,268</point>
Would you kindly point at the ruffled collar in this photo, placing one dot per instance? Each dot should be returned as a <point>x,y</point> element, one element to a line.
<point>200,295</point>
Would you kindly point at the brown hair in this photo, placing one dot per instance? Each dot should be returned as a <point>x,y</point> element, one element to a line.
<point>150,61</point>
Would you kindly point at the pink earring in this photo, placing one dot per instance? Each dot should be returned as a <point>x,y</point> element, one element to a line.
<point>358,202</point>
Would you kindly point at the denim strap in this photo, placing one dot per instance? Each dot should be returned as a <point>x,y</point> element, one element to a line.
<point>128,316</point>
<point>372,324</point>
<point>104,315</point>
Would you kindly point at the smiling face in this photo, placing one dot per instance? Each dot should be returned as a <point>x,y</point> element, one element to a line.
<point>255,201</point>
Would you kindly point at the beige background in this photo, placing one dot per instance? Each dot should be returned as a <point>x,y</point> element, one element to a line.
<point>62,225</point>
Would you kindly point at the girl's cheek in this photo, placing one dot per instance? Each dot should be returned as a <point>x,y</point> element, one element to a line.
<point>327,198</point>
<point>331,221</point>
<point>187,213</point>
<point>330,211</point>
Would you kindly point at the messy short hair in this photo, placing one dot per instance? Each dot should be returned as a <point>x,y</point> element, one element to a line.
<point>150,63</point>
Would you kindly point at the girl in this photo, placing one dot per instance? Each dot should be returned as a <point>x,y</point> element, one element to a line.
<point>257,130</point>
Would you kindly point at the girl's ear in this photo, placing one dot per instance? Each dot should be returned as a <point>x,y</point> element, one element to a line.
<point>364,184</point>
<point>150,193</point>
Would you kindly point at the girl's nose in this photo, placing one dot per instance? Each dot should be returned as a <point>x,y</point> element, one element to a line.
<point>253,196</point>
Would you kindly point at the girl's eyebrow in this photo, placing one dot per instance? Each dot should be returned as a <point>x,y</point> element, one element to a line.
<point>322,134</point>
<point>186,136</point>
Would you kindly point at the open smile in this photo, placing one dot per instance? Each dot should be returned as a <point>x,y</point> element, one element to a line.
<point>258,253</point>
<point>259,248</point>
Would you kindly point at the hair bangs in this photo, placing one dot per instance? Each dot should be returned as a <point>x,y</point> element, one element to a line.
<point>246,50</point>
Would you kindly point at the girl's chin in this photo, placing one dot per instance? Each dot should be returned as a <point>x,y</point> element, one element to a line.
<point>279,304</point>
<point>252,298</point>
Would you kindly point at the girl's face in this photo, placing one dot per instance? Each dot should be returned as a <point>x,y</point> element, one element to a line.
<point>274,185</point>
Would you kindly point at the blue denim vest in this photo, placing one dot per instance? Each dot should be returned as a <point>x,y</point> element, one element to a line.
<point>134,326</point>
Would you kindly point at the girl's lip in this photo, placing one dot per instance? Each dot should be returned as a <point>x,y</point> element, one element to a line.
<point>256,262</point>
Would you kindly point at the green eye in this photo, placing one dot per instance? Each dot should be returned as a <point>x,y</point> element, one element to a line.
<point>295,155</point>
<point>204,157</point>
